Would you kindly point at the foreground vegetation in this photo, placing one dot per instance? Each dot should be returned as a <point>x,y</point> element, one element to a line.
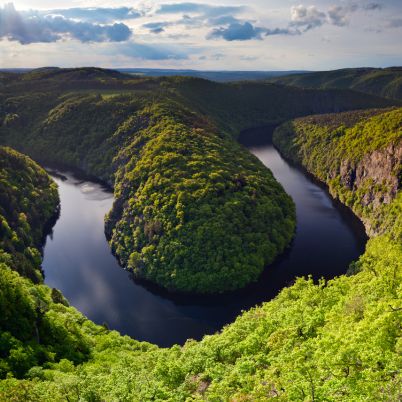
<point>177,173</point>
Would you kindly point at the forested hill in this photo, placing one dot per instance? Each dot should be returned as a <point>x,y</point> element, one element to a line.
<point>385,82</point>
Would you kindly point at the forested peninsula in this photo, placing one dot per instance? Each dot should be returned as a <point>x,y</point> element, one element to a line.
<point>167,146</point>
<point>194,212</point>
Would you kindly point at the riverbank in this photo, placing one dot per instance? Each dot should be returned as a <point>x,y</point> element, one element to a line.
<point>79,263</point>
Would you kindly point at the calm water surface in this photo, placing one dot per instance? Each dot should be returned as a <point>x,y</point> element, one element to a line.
<point>77,260</point>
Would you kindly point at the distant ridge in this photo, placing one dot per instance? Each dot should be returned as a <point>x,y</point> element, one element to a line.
<point>385,82</point>
<point>216,75</point>
<point>83,73</point>
<point>212,75</point>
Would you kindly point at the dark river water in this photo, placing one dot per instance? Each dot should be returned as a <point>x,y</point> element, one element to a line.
<point>77,260</point>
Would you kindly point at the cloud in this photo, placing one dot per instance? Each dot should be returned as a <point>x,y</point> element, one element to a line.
<point>237,31</point>
<point>96,14</point>
<point>16,26</point>
<point>228,27</point>
<point>157,27</point>
<point>249,58</point>
<point>150,52</point>
<point>198,8</point>
<point>222,20</point>
<point>373,6</point>
<point>310,17</point>
<point>394,23</point>
<point>303,19</point>
<point>339,16</point>
<point>217,56</point>
<point>178,36</point>
<point>307,18</point>
<point>195,15</point>
<point>246,31</point>
<point>281,31</point>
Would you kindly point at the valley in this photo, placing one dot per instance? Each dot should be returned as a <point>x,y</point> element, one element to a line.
<point>195,212</point>
<point>77,261</point>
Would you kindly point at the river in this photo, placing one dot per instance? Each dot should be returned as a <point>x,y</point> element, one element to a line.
<point>77,260</point>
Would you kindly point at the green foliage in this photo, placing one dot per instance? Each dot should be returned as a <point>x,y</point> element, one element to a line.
<point>31,331</point>
<point>337,340</point>
<point>358,154</point>
<point>28,200</point>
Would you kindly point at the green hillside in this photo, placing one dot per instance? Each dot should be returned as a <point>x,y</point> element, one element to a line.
<point>335,340</point>
<point>357,154</point>
<point>28,201</point>
<point>385,82</point>
<point>194,211</point>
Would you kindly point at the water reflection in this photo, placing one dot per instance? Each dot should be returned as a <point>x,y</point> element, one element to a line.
<point>78,261</point>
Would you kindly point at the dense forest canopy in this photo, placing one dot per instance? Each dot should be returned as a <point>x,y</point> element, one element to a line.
<point>335,340</point>
<point>28,200</point>
<point>203,214</point>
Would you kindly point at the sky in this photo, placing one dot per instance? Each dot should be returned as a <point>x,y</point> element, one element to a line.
<point>204,35</point>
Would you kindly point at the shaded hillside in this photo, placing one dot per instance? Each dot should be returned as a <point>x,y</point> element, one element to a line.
<point>72,74</point>
<point>28,200</point>
<point>385,82</point>
<point>242,105</point>
<point>213,75</point>
<point>94,110</point>
<point>359,156</point>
